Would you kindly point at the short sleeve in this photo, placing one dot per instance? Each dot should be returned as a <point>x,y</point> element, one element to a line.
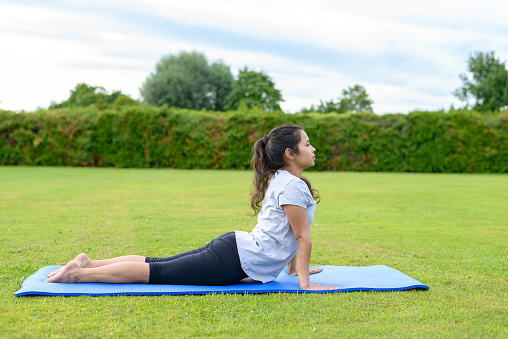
<point>296,193</point>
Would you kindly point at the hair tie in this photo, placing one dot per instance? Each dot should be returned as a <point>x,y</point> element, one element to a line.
<point>265,139</point>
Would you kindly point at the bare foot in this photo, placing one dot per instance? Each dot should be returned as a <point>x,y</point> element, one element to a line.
<point>81,259</point>
<point>67,274</point>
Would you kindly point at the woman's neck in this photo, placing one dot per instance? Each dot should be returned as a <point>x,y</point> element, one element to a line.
<point>297,172</point>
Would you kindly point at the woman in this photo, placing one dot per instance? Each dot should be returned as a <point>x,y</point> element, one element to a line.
<point>281,237</point>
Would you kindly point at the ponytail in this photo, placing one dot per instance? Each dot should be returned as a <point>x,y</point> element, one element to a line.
<point>262,174</point>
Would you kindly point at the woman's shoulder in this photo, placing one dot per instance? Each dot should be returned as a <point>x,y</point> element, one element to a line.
<point>294,188</point>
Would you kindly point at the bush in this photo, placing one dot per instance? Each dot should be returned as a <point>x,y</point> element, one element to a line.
<point>147,136</point>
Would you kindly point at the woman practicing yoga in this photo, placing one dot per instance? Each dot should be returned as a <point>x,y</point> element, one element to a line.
<point>281,236</point>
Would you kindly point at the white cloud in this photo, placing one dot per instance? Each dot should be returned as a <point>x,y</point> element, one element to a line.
<point>414,51</point>
<point>362,25</point>
<point>38,68</point>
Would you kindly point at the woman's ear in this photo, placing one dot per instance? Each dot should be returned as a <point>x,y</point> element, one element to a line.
<point>289,153</point>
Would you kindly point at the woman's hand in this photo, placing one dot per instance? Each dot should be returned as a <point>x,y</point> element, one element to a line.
<point>311,271</point>
<point>317,287</point>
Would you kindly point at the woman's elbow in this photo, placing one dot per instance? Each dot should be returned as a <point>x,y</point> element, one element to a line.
<point>304,239</point>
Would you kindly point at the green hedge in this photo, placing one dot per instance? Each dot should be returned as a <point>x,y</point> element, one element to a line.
<point>145,136</point>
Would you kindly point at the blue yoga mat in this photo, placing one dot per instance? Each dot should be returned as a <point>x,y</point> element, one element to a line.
<point>367,278</point>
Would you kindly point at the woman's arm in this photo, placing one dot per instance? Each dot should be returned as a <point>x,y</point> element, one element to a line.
<point>299,222</point>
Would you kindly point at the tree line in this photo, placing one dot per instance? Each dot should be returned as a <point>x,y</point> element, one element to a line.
<point>188,80</point>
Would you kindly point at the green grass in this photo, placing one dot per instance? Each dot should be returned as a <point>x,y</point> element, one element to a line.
<point>447,231</point>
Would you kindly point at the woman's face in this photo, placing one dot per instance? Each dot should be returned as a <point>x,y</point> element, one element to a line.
<point>305,157</point>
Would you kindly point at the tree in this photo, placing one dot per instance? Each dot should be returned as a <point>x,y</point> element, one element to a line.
<point>353,99</point>
<point>124,100</point>
<point>488,85</point>
<point>84,95</point>
<point>187,80</point>
<point>254,90</point>
<point>323,107</point>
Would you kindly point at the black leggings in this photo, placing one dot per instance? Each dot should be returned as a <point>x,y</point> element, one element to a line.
<point>215,264</point>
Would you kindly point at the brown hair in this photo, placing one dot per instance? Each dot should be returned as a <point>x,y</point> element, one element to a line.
<point>268,157</point>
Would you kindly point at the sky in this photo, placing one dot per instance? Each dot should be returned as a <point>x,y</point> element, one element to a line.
<point>407,54</point>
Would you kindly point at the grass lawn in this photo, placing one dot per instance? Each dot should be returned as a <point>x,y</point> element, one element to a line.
<point>448,231</point>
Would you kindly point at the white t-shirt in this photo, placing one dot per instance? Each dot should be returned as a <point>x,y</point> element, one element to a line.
<point>271,245</point>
